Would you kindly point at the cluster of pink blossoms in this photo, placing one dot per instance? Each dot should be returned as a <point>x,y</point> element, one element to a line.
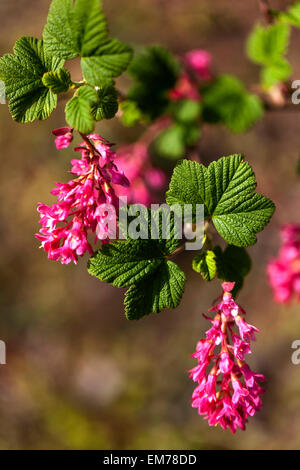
<point>229,392</point>
<point>284,271</point>
<point>81,206</point>
<point>197,65</point>
<point>145,179</point>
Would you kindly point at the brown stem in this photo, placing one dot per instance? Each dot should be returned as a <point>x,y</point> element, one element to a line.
<point>88,143</point>
<point>176,252</point>
<point>266,11</point>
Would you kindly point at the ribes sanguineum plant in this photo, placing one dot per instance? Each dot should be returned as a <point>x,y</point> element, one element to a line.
<point>228,391</point>
<point>284,271</point>
<point>172,98</point>
<point>81,201</point>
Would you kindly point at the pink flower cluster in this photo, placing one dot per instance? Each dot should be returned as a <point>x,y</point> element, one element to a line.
<point>81,202</point>
<point>197,64</point>
<point>64,137</point>
<point>145,179</point>
<point>229,392</point>
<point>284,271</point>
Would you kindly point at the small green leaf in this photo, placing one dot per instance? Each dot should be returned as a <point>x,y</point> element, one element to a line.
<point>79,28</point>
<point>225,189</point>
<point>107,103</point>
<point>74,28</point>
<point>277,72</point>
<point>292,15</point>
<point>192,134</point>
<point>79,110</point>
<point>22,74</point>
<point>188,185</point>
<point>186,111</point>
<point>131,113</point>
<point>267,46</point>
<point>232,265</point>
<point>111,58</point>
<point>171,142</point>
<point>155,71</point>
<point>227,101</point>
<point>57,82</point>
<point>205,264</point>
<point>162,289</point>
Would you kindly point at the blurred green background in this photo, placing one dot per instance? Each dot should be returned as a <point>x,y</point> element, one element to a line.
<point>78,374</point>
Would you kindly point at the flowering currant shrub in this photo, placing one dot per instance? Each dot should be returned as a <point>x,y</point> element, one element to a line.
<point>172,99</point>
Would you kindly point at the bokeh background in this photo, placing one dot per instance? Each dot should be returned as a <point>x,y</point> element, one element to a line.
<point>78,374</point>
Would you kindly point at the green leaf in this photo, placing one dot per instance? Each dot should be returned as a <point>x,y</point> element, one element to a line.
<point>205,264</point>
<point>267,46</point>
<point>57,82</point>
<point>186,111</point>
<point>22,74</point>
<point>225,189</point>
<point>75,28</point>
<point>227,101</point>
<point>171,142</point>
<point>110,60</point>
<point>155,71</point>
<point>123,263</point>
<point>107,103</point>
<point>192,134</point>
<point>131,113</point>
<point>162,289</point>
<point>143,265</point>
<point>298,166</point>
<point>79,110</point>
<point>79,29</point>
<point>232,265</point>
<point>277,72</point>
<point>292,15</point>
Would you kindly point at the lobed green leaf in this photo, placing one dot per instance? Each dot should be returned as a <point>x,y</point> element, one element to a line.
<point>225,189</point>
<point>22,73</point>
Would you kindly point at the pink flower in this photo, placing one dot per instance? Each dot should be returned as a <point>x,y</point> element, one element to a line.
<point>197,64</point>
<point>82,203</point>
<point>185,89</point>
<point>284,271</point>
<point>145,179</point>
<point>199,61</point>
<point>64,137</point>
<point>230,392</point>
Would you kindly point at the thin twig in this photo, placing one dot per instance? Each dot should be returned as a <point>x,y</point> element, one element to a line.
<point>176,252</point>
<point>88,143</point>
<point>266,11</point>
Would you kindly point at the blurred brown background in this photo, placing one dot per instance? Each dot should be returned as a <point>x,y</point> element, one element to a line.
<point>78,374</point>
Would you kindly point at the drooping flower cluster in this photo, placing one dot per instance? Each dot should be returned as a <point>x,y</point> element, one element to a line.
<point>145,179</point>
<point>64,137</point>
<point>197,64</point>
<point>284,271</point>
<point>81,206</point>
<point>228,391</point>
